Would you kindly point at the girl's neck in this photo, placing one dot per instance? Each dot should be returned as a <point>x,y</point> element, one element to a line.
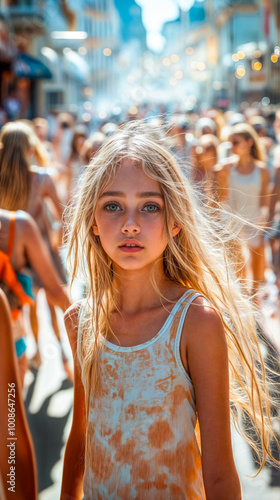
<point>135,291</point>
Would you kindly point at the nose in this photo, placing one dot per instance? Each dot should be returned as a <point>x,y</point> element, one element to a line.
<point>130,226</point>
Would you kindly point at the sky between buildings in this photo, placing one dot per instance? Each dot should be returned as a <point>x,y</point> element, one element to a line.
<point>155,13</point>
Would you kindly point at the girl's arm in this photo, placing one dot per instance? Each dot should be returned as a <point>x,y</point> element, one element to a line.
<point>17,455</point>
<point>73,468</point>
<point>206,360</point>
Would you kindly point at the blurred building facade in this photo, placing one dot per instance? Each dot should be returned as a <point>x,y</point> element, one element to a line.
<point>58,55</point>
<point>89,57</point>
<point>224,51</point>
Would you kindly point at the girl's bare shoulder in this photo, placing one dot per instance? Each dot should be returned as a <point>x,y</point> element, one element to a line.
<point>203,323</point>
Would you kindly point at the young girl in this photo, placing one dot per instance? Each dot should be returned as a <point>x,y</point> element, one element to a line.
<point>163,326</point>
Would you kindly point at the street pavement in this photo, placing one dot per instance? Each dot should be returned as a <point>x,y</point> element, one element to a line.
<point>49,396</point>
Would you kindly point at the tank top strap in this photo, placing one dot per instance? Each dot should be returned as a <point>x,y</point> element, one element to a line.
<point>180,311</point>
<point>11,234</point>
<point>177,327</point>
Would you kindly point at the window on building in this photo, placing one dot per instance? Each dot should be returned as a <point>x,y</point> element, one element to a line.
<point>54,98</point>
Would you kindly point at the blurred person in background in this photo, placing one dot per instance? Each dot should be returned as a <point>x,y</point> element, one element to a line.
<point>26,187</point>
<point>218,117</point>
<point>41,128</point>
<point>205,125</point>
<point>274,219</point>
<point>10,383</point>
<point>63,136</point>
<point>203,172</point>
<point>182,142</point>
<point>73,167</point>
<point>12,105</point>
<point>91,146</point>
<point>260,126</point>
<point>21,241</point>
<point>243,185</point>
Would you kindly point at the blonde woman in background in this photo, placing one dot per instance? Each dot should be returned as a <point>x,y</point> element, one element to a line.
<point>243,185</point>
<point>26,187</point>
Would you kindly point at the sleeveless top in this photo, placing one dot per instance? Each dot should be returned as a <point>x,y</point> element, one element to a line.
<point>245,190</point>
<point>142,417</point>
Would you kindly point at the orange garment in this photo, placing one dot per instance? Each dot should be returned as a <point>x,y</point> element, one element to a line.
<point>141,424</point>
<point>8,275</point>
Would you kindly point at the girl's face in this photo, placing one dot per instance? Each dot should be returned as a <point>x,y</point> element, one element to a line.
<point>129,219</point>
<point>240,145</point>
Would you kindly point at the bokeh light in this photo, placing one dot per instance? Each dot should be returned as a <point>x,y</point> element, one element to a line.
<point>82,51</point>
<point>133,110</point>
<point>201,66</point>
<point>240,72</point>
<point>166,61</point>
<point>257,54</point>
<point>256,65</point>
<point>173,81</point>
<point>179,74</point>
<point>241,54</point>
<point>107,52</point>
<point>189,51</point>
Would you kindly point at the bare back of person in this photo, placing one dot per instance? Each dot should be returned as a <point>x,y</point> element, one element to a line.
<point>18,256</point>
<point>42,188</point>
<point>29,248</point>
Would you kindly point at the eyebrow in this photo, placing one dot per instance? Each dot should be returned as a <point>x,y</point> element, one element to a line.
<point>145,194</point>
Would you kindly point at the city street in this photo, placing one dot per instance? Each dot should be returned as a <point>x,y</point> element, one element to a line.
<point>111,99</point>
<point>49,406</point>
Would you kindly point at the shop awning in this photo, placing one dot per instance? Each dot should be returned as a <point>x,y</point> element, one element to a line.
<point>26,66</point>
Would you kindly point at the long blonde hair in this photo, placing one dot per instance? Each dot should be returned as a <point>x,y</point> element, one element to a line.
<point>15,176</point>
<point>39,151</point>
<point>198,257</point>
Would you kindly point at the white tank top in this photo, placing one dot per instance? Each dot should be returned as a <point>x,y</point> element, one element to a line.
<point>244,193</point>
<point>142,419</point>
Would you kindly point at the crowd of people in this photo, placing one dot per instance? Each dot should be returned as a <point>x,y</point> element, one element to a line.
<point>217,176</point>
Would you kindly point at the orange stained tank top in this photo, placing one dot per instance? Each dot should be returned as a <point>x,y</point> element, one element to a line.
<point>142,419</point>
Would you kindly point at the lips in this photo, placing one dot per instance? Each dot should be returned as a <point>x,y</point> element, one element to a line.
<point>131,246</point>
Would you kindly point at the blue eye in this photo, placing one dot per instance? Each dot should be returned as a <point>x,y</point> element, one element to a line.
<point>112,207</point>
<point>151,208</point>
